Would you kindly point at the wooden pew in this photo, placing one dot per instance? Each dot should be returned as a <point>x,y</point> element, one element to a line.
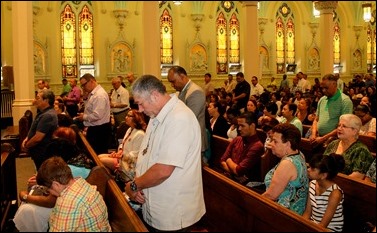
<point>115,200</point>
<point>359,202</point>
<point>370,142</point>
<point>232,207</point>
<point>9,197</point>
<point>122,217</point>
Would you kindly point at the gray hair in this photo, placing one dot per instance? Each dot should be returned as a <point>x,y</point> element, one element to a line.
<point>146,84</point>
<point>49,95</point>
<point>353,120</point>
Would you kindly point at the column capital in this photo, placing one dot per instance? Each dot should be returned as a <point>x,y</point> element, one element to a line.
<point>249,3</point>
<point>326,6</point>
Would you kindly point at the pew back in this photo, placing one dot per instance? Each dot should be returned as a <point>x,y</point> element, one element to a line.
<point>359,202</point>
<point>232,207</point>
<point>122,217</point>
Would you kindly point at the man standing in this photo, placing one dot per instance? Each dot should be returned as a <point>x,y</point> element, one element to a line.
<point>231,84</point>
<point>284,84</point>
<point>44,124</point>
<point>193,96</point>
<point>209,88</point>
<point>66,87</point>
<point>255,88</point>
<point>241,92</point>
<point>131,78</point>
<point>330,107</point>
<point>72,100</point>
<point>120,101</point>
<point>96,114</point>
<point>242,158</point>
<point>168,179</point>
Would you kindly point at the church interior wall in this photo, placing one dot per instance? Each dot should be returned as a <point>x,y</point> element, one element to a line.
<point>107,30</point>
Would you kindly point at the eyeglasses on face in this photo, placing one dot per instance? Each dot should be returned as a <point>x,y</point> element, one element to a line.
<point>83,85</point>
<point>340,126</point>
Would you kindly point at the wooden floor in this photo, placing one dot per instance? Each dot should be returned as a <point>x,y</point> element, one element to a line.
<point>25,169</point>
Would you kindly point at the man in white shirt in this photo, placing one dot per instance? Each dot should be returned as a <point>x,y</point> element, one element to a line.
<point>256,88</point>
<point>120,101</point>
<point>231,84</point>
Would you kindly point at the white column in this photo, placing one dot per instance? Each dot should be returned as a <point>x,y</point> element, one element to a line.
<point>23,65</point>
<point>251,42</point>
<point>151,39</point>
<point>326,27</point>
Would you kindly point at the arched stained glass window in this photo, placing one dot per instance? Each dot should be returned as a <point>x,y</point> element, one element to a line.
<point>86,36</point>
<point>221,42</point>
<point>336,43</point>
<point>166,27</point>
<point>371,44</point>
<point>77,40</point>
<point>285,38</point>
<point>227,40</point>
<point>234,38</point>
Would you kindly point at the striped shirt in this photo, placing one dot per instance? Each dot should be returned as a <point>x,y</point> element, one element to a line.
<point>319,205</point>
<point>329,110</point>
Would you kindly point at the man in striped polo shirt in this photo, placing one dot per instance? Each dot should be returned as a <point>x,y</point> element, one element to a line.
<point>330,107</point>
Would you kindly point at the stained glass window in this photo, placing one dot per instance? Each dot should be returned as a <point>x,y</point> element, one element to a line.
<point>336,43</point>
<point>227,42</point>
<point>285,38</point>
<point>166,31</point>
<point>77,40</point>
<point>371,46</point>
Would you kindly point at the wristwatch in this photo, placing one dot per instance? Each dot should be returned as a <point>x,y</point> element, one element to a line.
<point>24,197</point>
<point>133,186</point>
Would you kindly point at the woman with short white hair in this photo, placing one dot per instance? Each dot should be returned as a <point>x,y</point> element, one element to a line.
<point>356,154</point>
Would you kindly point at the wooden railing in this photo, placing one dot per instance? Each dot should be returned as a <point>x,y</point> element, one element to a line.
<point>122,217</point>
<point>9,197</point>
<point>232,207</point>
<point>360,197</point>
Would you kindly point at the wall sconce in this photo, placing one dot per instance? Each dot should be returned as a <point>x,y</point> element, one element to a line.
<point>316,12</point>
<point>367,11</point>
<point>177,2</point>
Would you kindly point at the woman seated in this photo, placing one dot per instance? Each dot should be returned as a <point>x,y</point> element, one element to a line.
<point>123,162</point>
<point>356,154</point>
<point>368,121</point>
<point>218,124</point>
<point>287,183</point>
<point>325,202</point>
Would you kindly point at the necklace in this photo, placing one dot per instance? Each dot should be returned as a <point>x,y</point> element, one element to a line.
<point>149,138</point>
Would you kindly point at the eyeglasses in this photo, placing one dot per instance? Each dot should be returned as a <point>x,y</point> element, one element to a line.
<point>83,85</point>
<point>344,127</point>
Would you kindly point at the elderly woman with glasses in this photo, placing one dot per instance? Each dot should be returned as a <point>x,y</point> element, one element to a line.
<point>356,155</point>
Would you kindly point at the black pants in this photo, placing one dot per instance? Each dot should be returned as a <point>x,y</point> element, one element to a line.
<point>99,137</point>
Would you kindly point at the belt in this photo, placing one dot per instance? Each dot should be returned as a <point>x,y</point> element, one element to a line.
<point>116,113</point>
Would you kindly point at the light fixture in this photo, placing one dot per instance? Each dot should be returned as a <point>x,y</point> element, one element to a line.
<point>367,11</point>
<point>177,2</point>
<point>316,12</point>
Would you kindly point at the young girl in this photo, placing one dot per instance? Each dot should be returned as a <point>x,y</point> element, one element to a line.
<point>325,202</point>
